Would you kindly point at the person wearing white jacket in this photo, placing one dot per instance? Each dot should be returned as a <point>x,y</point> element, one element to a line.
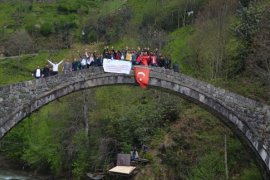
<point>55,67</point>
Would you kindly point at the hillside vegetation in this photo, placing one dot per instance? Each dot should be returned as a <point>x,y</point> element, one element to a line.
<point>224,42</point>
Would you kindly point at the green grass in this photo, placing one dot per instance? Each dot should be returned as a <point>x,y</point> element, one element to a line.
<point>251,173</point>
<point>5,14</point>
<point>109,7</point>
<point>138,7</point>
<point>125,41</point>
<point>179,48</point>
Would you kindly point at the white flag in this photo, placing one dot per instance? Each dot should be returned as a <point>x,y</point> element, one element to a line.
<point>117,66</point>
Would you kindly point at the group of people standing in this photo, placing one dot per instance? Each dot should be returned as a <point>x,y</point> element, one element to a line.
<point>140,56</point>
<point>48,70</point>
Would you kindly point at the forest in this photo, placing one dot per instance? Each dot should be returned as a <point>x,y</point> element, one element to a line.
<point>223,42</point>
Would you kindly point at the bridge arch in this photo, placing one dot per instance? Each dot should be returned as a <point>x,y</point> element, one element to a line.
<point>249,119</point>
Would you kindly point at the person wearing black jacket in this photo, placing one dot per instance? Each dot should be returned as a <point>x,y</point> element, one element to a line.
<point>168,63</point>
<point>161,60</point>
<point>46,71</point>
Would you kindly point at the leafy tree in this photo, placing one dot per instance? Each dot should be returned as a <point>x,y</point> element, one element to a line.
<point>258,61</point>
<point>211,37</point>
<point>247,25</point>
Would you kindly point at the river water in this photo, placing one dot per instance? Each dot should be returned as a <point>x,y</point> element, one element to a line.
<point>15,175</point>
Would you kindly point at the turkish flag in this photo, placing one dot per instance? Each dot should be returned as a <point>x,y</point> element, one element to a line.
<point>142,75</point>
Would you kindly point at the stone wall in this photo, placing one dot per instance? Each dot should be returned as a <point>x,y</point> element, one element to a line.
<point>249,119</point>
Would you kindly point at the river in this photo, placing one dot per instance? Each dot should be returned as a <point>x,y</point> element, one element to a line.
<point>16,175</point>
<point>11,170</point>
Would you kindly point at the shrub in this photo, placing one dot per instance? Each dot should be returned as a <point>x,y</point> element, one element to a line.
<point>46,29</point>
<point>19,43</point>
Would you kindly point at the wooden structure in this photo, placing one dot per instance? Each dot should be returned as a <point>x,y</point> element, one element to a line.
<point>123,166</point>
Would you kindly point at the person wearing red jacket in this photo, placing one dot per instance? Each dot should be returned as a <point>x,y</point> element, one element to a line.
<point>139,58</point>
<point>118,55</point>
<point>145,59</point>
<point>153,59</point>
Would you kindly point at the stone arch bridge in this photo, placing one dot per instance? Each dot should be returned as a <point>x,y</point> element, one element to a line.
<point>247,118</point>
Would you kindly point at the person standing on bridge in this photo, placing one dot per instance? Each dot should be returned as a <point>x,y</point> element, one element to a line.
<point>83,61</point>
<point>153,59</point>
<point>37,73</point>
<point>145,59</point>
<point>46,71</point>
<point>67,67</point>
<point>55,67</point>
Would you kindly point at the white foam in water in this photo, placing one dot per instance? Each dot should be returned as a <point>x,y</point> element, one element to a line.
<point>9,175</point>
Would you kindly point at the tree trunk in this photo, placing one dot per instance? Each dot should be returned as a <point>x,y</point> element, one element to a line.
<point>225,157</point>
<point>85,114</point>
<point>184,15</point>
<point>178,18</point>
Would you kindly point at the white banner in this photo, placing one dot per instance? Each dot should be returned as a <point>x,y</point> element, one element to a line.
<point>116,66</point>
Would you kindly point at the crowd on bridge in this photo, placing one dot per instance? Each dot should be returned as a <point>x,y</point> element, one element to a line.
<point>139,56</point>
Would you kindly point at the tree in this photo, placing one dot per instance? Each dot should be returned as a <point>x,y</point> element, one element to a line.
<point>211,37</point>
<point>19,43</point>
<point>258,62</point>
<point>153,37</point>
<point>247,24</point>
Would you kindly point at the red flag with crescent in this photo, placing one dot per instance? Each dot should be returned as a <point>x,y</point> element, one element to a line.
<point>142,75</point>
